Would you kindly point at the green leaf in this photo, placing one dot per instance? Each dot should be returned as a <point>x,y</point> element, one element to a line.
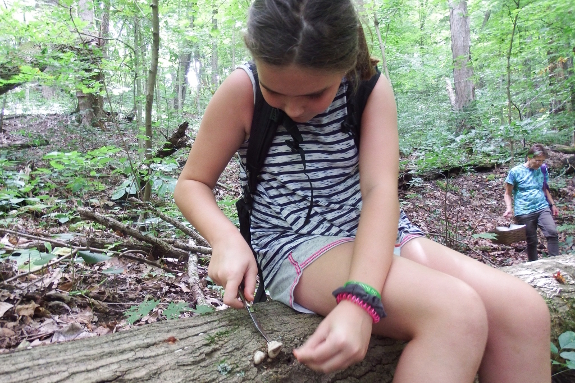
<point>91,258</point>
<point>203,309</point>
<point>554,349</point>
<point>44,259</point>
<point>485,235</point>
<point>570,355</point>
<point>566,338</point>
<point>135,313</point>
<point>175,309</point>
<point>113,270</point>
<point>48,246</point>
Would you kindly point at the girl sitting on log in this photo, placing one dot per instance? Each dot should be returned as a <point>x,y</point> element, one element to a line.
<point>324,219</point>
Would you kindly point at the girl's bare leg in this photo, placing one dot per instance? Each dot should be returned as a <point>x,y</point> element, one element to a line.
<point>443,318</point>
<point>519,326</point>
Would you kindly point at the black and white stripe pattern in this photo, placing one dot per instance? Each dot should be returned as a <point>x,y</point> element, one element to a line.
<point>283,193</point>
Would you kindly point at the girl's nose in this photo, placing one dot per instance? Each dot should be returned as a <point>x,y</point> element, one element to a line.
<point>294,108</point>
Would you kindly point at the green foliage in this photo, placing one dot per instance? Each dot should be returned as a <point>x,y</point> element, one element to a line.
<point>228,206</point>
<point>203,309</point>
<point>174,310</point>
<point>91,258</point>
<point>79,172</point>
<point>485,235</point>
<point>566,342</point>
<point>135,313</point>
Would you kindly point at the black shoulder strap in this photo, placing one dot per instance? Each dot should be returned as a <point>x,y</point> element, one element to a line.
<point>265,122</point>
<point>355,107</point>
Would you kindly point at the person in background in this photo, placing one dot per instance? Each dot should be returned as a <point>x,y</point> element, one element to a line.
<point>324,228</point>
<point>527,186</point>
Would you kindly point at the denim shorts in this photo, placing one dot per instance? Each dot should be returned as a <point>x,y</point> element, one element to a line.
<point>283,285</point>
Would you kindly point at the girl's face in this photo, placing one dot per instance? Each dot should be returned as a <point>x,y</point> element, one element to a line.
<point>535,162</point>
<point>300,92</point>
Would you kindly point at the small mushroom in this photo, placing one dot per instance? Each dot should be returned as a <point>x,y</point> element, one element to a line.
<point>274,348</point>
<point>259,357</point>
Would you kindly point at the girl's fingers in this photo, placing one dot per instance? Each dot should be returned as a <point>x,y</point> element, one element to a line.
<point>307,352</point>
<point>231,294</point>
<point>250,283</point>
<point>325,356</point>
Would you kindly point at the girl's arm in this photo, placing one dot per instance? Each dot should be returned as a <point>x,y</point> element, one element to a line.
<point>379,167</point>
<point>508,200</point>
<point>225,125</point>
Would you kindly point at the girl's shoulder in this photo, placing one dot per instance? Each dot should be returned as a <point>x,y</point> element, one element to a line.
<point>234,96</point>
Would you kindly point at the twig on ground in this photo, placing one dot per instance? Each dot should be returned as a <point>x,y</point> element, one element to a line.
<point>118,226</point>
<point>190,248</point>
<point>194,280</point>
<point>128,254</point>
<point>189,231</point>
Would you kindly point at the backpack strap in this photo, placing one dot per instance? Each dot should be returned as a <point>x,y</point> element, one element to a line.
<point>265,122</point>
<point>545,172</point>
<point>356,106</point>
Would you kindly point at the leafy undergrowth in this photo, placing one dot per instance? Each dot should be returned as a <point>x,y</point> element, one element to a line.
<point>87,295</point>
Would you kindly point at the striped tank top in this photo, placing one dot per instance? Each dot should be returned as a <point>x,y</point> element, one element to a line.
<point>283,195</point>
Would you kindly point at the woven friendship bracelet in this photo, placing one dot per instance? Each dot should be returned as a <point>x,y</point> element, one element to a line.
<point>367,288</point>
<point>357,301</point>
<point>369,300</point>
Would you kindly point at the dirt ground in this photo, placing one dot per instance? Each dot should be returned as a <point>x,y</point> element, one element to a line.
<point>72,300</point>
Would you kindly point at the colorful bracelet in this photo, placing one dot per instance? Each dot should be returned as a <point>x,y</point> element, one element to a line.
<point>367,288</point>
<point>360,303</point>
<point>357,294</point>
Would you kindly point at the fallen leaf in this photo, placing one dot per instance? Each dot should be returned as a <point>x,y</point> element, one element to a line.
<point>27,310</point>
<point>41,312</point>
<point>66,286</point>
<point>4,307</point>
<point>171,340</point>
<point>559,277</point>
<point>6,332</point>
<point>70,332</point>
<point>101,330</point>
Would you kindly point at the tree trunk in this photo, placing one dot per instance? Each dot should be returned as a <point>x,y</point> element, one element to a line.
<point>214,84</point>
<point>509,100</point>
<point>137,109</point>
<point>89,104</point>
<point>460,49</point>
<point>150,93</point>
<point>220,346</point>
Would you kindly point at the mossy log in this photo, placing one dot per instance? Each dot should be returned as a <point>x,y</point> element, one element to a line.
<point>564,149</point>
<point>220,346</point>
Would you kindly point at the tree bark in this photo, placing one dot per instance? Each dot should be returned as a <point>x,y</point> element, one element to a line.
<point>219,346</point>
<point>460,48</point>
<point>150,92</point>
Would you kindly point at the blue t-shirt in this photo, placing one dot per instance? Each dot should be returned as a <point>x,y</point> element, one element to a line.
<point>528,196</point>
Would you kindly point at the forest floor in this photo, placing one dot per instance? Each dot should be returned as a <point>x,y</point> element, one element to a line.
<point>72,300</point>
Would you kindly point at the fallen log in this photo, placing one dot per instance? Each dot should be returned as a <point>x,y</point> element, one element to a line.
<point>220,346</point>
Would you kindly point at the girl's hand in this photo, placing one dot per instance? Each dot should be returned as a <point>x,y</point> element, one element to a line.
<point>507,213</point>
<point>233,262</point>
<point>555,211</point>
<point>340,340</point>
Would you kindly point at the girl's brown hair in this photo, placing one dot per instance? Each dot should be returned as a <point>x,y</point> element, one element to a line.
<point>315,34</point>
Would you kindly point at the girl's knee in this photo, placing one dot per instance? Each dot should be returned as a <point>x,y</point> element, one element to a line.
<point>535,311</point>
<point>462,314</point>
